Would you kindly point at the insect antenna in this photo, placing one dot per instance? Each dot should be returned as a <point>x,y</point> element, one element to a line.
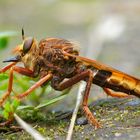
<point>23,37</point>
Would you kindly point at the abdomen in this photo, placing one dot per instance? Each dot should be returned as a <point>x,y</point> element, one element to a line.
<point>118,82</point>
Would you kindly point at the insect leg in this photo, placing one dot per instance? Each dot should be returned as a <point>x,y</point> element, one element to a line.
<point>88,113</point>
<point>115,94</point>
<point>58,85</point>
<point>20,70</point>
<point>7,94</point>
<point>36,85</point>
<point>23,71</point>
<point>7,67</point>
<point>82,76</point>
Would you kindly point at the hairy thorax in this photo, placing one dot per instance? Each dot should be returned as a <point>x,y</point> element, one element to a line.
<point>53,59</point>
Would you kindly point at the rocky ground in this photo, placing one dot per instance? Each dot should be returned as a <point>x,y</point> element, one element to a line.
<point>119,118</point>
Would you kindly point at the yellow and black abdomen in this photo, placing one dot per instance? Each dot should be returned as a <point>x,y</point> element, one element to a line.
<point>118,82</point>
<point>125,83</point>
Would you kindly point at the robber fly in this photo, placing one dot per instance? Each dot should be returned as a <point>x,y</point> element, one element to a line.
<point>56,60</point>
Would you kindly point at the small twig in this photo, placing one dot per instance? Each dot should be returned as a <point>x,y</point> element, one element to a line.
<point>78,102</point>
<point>35,134</point>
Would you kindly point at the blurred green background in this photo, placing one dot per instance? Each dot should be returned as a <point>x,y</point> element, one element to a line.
<point>106,30</point>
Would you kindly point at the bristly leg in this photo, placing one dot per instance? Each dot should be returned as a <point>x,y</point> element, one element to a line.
<point>20,70</point>
<point>86,110</point>
<point>7,94</point>
<point>89,75</point>
<point>115,94</point>
<point>4,69</point>
<point>36,85</point>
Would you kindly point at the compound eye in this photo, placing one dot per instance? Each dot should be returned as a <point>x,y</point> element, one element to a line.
<point>27,44</point>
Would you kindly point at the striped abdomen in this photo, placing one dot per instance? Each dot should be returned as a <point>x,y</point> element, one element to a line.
<point>118,82</point>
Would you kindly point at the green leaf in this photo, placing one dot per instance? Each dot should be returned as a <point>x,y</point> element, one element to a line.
<point>7,106</point>
<point>3,76</point>
<point>4,38</point>
<point>15,104</point>
<point>5,114</point>
<point>1,112</point>
<point>3,42</point>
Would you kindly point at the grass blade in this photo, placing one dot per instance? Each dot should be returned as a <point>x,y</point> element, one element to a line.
<point>49,102</point>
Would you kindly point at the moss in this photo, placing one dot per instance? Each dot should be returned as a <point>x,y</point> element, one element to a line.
<point>118,119</point>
